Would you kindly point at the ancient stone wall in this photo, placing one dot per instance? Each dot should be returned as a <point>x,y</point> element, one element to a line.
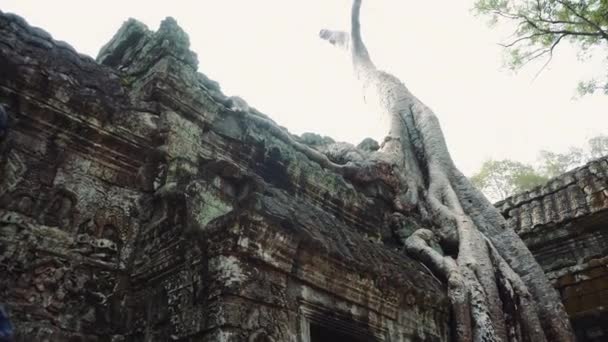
<point>565,225</point>
<point>138,203</point>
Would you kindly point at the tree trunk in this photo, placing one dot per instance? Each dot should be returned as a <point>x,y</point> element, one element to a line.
<point>497,290</point>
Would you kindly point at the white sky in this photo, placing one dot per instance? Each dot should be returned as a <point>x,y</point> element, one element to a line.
<point>268,52</point>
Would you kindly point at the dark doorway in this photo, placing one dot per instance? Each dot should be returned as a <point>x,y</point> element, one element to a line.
<point>319,333</point>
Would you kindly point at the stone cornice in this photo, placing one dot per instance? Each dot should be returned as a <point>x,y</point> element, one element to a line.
<point>575,194</point>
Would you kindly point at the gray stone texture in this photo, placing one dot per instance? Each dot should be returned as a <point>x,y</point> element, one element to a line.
<point>565,225</point>
<point>138,204</point>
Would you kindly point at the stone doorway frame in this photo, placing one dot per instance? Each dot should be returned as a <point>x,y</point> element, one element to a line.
<point>312,313</point>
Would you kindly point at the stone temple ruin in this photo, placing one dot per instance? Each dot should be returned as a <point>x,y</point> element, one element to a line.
<point>138,203</point>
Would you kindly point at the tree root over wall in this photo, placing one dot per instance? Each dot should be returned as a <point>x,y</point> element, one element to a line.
<point>497,290</point>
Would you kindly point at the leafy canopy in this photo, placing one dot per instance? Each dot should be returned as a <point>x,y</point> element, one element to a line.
<point>540,25</point>
<point>499,179</point>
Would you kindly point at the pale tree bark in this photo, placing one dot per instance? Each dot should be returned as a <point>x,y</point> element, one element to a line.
<point>497,290</point>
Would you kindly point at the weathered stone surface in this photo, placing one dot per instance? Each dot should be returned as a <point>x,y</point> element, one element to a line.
<point>369,144</point>
<point>138,203</point>
<point>565,225</point>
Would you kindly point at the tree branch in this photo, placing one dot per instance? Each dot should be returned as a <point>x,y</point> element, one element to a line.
<point>569,6</point>
<point>550,55</point>
<point>549,30</point>
<point>561,31</point>
<point>518,40</point>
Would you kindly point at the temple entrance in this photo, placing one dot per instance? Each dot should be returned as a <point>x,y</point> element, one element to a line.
<point>319,333</point>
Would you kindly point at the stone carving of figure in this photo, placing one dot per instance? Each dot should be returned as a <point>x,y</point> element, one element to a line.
<point>59,212</point>
<point>112,224</point>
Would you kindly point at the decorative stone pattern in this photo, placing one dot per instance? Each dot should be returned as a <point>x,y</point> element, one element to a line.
<point>138,203</point>
<point>565,225</point>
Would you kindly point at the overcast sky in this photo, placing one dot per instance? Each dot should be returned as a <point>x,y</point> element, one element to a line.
<point>268,52</point>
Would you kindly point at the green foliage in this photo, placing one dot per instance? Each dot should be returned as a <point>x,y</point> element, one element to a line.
<point>540,25</point>
<point>499,179</point>
<point>554,164</point>
<point>598,146</point>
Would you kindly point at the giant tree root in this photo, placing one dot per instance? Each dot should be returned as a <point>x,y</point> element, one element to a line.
<point>480,286</point>
<point>490,300</point>
<point>497,289</point>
